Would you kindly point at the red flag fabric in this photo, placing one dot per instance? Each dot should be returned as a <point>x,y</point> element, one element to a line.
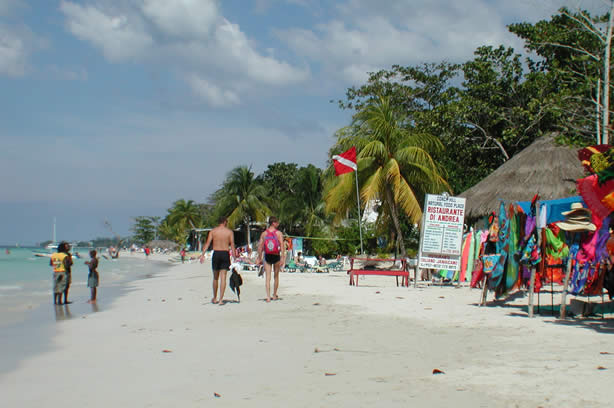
<point>345,162</point>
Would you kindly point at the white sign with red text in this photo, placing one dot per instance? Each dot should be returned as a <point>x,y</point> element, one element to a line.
<point>442,232</point>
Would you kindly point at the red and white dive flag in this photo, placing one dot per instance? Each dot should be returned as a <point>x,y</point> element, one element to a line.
<point>345,162</point>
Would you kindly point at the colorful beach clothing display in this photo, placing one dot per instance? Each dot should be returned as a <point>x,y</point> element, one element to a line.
<point>505,265</point>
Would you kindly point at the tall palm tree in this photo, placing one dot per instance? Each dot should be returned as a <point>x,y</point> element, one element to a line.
<point>305,207</point>
<point>243,198</point>
<point>394,165</point>
<point>171,232</point>
<point>182,216</point>
<point>185,213</point>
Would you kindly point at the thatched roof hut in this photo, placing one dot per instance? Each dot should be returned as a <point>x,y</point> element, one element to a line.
<point>162,244</point>
<point>543,167</point>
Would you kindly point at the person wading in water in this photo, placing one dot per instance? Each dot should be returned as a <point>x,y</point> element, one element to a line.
<point>61,263</point>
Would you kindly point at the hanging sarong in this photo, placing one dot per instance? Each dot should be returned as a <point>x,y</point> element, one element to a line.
<point>511,278</point>
<point>502,248</point>
<point>465,256</point>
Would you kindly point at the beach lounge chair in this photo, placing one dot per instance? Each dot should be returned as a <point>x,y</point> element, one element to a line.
<point>335,266</point>
<point>292,266</point>
<point>320,269</point>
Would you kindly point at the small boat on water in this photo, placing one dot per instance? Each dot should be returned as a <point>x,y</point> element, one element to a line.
<point>53,245</point>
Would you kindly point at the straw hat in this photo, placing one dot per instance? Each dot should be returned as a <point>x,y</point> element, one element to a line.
<point>577,219</point>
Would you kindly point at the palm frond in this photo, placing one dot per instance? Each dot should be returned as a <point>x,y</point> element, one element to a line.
<point>375,150</point>
<point>407,200</point>
<point>373,186</point>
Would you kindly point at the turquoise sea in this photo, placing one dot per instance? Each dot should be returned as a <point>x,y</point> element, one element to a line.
<point>25,277</point>
<point>28,317</point>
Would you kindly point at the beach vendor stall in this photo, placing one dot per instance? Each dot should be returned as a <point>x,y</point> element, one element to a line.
<point>528,249</point>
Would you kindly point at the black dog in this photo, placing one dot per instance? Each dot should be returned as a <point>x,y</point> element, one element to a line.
<point>235,283</point>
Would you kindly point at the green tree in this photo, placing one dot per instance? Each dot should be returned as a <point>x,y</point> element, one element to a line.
<point>277,181</point>
<point>243,199</point>
<point>394,164</point>
<point>182,216</point>
<point>185,213</point>
<point>303,211</point>
<point>575,48</point>
<point>172,232</point>
<point>324,247</point>
<point>144,229</point>
<point>277,178</point>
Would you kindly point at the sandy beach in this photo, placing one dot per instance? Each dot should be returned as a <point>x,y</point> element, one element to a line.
<point>163,344</point>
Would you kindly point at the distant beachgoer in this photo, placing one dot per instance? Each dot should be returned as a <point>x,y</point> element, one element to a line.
<point>92,277</point>
<point>222,239</point>
<point>321,261</point>
<point>182,253</point>
<point>68,273</point>
<point>61,263</point>
<point>270,249</point>
<point>147,252</point>
<point>7,251</point>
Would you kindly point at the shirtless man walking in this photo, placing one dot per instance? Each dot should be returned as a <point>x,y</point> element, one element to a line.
<point>223,240</point>
<point>271,246</point>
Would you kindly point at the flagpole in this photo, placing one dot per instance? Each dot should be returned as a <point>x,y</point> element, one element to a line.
<point>343,163</point>
<point>359,217</point>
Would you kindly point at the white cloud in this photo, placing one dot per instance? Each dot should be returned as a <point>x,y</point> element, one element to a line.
<point>190,36</point>
<point>368,36</point>
<point>13,53</point>
<point>17,43</point>
<point>365,35</point>
<point>119,36</point>
<point>183,18</point>
<point>233,47</point>
<point>214,95</point>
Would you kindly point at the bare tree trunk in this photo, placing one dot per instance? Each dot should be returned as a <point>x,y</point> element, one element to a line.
<point>249,242</point>
<point>605,127</point>
<point>598,112</point>
<point>395,220</point>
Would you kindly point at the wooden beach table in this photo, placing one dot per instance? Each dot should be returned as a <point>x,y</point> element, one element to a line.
<point>403,272</point>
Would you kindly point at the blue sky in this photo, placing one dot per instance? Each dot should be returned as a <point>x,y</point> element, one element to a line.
<point>111,109</point>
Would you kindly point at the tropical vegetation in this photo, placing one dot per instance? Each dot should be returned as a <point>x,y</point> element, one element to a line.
<point>429,128</point>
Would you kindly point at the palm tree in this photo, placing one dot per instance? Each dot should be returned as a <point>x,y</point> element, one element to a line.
<point>305,207</point>
<point>243,198</point>
<point>184,213</point>
<point>171,232</point>
<point>394,165</point>
<point>182,216</point>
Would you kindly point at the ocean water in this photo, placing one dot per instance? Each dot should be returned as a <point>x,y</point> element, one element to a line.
<point>26,280</point>
<point>28,318</point>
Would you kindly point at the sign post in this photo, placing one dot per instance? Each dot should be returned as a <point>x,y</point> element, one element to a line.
<point>441,235</point>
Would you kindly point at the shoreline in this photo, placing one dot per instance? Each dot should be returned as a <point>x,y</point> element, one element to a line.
<point>325,343</point>
<point>30,328</point>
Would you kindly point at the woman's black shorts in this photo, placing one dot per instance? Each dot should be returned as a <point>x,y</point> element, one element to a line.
<point>271,259</point>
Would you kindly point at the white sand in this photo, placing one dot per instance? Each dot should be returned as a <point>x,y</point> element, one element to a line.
<point>382,348</point>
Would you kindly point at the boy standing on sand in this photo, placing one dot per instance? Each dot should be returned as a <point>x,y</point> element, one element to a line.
<point>274,253</point>
<point>223,240</point>
<point>92,277</point>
